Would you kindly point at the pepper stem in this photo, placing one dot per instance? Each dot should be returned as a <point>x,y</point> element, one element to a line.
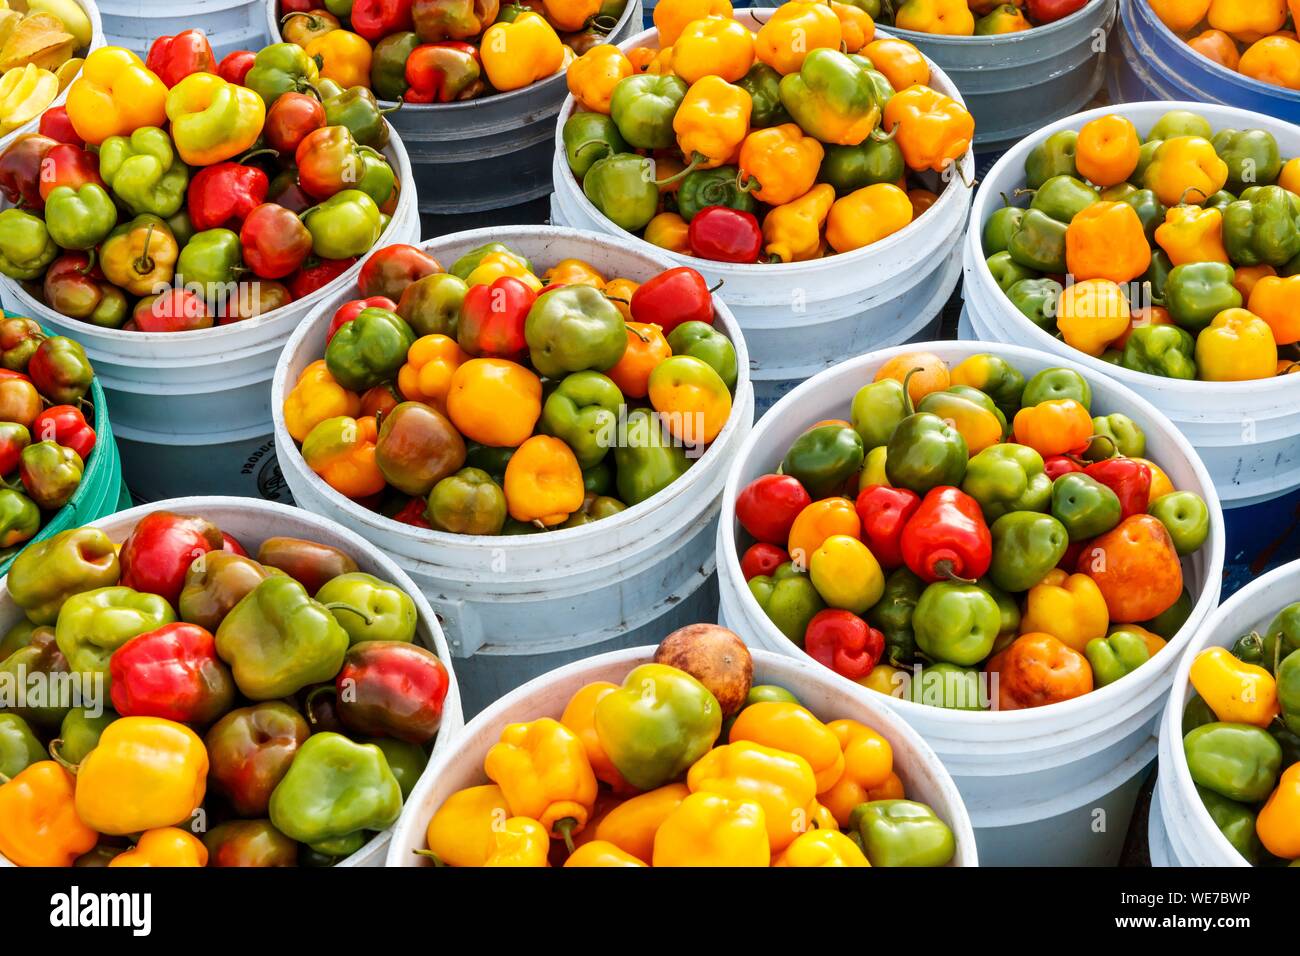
<point>1109,441</point>
<point>603,24</point>
<point>143,263</point>
<point>565,829</point>
<point>637,332</point>
<point>344,606</point>
<point>391,109</point>
<point>437,860</point>
<point>254,153</point>
<point>945,571</point>
<point>746,183</point>
<point>609,150</point>
<point>907,392</point>
<point>694,164</point>
<point>1182,200</point>
<point>91,258</point>
<point>879,136</point>
<point>311,696</point>
<point>55,748</point>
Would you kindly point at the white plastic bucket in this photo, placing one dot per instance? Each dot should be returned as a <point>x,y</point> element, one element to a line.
<point>883,294</point>
<point>1248,433</point>
<point>229,24</point>
<point>1052,785</point>
<point>1192,834</point>
<point>519,606</point>
<point>96,41</point>
<point>192,410</point>
<point>461,766</point>
<point>252,522</point>
<point>1158,848</point>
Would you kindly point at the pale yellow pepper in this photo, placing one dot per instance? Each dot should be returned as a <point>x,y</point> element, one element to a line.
<point>822,848</point>
<point>867,215</point>
<point>1070,607</point>
<point>783,725</point>
<point>713,46</point>
<point>1237,692</point>
<point>1238,346</point>
<point>708,829</point>
<point>782,783</point>
<point>712,122</point>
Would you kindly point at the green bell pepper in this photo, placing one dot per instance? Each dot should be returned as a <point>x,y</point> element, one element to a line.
<point>1160,350</point>
<point>278,640</point>
<point>45,575</point>
<point>1026,545</point>
<point>1220,201</point>
<point>788,598</point>
<point>956,622</point>
<point>144,172</point>
<point>1008,477</point>
<point>1117,435</point>
<point>345,225</point>
<point>1177,123</point>
<point>924,452</point>
<point>594,508</point>
<point>998,379</point>
<point>42,660</point>
<point>573,328</point>
<point>996,235</point>
<point>623,188</point>
<point>491,460</point>
<point>1038,242</point>
<point>1007,272</point>
<point>1119,653</point>
<point>1264,229</point>
<point>850,168</point>
<point>51,473</point>
<point>80,218</point>
<point>1196,292</point>
<point>957,402</point>
<point>1054,156</point>
<point>93,624</point>
<point>388,64</point>
<point>598,480</point>
<point>892,615</point>
<point>1146,156</point>
<point>278,69</point>
<point>713,187</point>
<point>1063,198</point>
<point>1170,621</point>
<point>902,833</point>
<point>212,259</point>
<point>466,264</point>
<point>948,686</point>
<point>583,412</point>
<point>1288,690</point>
<point>1150,211</point>
<point>368,608</point>
<point>1053,384</point>
<point>80,732</point>
<point>1237,761</point>
<point>357,109</point>
<point>1036,299</point>
<point>20,519</point>
<point>17,637</point>
<point>1235,821</point>
<point>468,502</point>
<point>877,411</point>
<point>649,460</point>
<point>1196,713</point>
<point>830,92</point>
<point>1008,608</point>
<point>19,748</point>
<point>1282,637</point>
<point>1185,516</point>
<point>763,84</point>
<point>431,305</point>
<point>406,760</point>
<point>334,790</point>
<point>823,459</point>
<point>369,350</point>
<point>1085,506</point>
<point>589,137</point>
<point>26,248</point>
<point>702,341</point>
<point>1157,275</point>
<point>643,106</point>
<point>1252,156</point>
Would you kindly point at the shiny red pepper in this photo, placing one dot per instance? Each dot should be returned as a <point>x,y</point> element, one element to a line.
<point>1055,466</point>
<point>492,319</point>
<point>762,558</point>
<point>291,117</point>
<point>298,6</point>
<point>161,549</point>
<point>1049,11</point>
<point>392,689</point>
<point>723,234</point>
<point>376,19</point>
<point>391,269</point>
<point>671,298</point>
<point>412,513</point>
<point>884,513</point>
<point>442,72</point>
<point>947,537</point>
<point>176,310</point>
<point>173,673</point>
<point>234,66</point>
<point>67,426</point>
<point>768,505</point>
<point>56,125</point>
<point>317,275</point>
<point>351,309</point>
<point>1129,479</point>
<point>20,170</point>
<point>843,642</point>
<point>328,161</point>
<point>14,437</point>
<point>231,545</point>
<point>68,165</point>
<point>224,194</point>
<point>176,57</point>
<point>274,241</point>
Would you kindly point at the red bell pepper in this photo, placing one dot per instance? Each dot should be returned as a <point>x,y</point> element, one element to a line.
<point>67,426</point>
<point>884,513</point>
<point>298,6</point>
<point>14,437</point>
<point>56,125</point>
<point>1055,466</point>
<point>1049,11</point>
<point>161,548</point>
<point>843,642</point>
<point>723,234</point>
<point>231,545</point>
<point>391,269</point>
<point>317,275</point>
<point>442,72</point>
<point>222,195</point>
<point>671,298</point>
<point>412,513</point>
<point>947,537</point>
<point>1129,479</point>
<point>285,191</point>
<point>176,310</point>
<point>351,309</point>
<point>274,241</point>
<point>376,19</point>
<point>762,558</point>
<point>20,170</point>
<point>176,57</point>
<point>392,689</point>
<point>291,117</point>
<point>173,673</point>
<point>68,165</point>
<point>234,66</point>
<point>1070,560</point>
<point>768,505</point>
<point>492,318</point>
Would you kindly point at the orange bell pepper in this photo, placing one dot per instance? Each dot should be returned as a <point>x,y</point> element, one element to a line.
<point>460,831</point>
<point>1137,569</point>
<point>942,17</point>
<point>1277,302</point>
<point>1274,60</point>
<point>1185,168</point>
<point>1091,314</point>
<point>1107,150</point>
<point>1247,20</point>
<point>494,402</point>
<point>1160,483</point>
<point>1245,278</point>
<point>857,29</point>
<point>344,57</point>
<point>712,121</point>
<point>646,348</point>
<point>868,764</point>
<point>1289,178</point>
<point>1037,670</point>
<point>780,162</point>
<point>580,717</point>
<point>620,291</point>
<point>1218,47</point>
<point>342,451</point>
<point>1180,15</point>
<point>793,232</point>
<point>431,362</point>
<point>891,789</point>
<point>1278,824</point>
<point>793,31</point>
<point>922,372</point>
<point>1192,234</point>
<point>867,215</point>
<point>543,482</point>
<point>314,398</point>
<point>39,825</point>
<point>543,771</point>
<point>902,64</point>
<point>518,53</point>
<point>573,272</point>
<point>570,16</point>
<point>632,825</point>
<point>822,848</point>
<point>1054,427</point>
<point>713,46</point>
<point>165,846</point>
<point>601,853</point>
<point>1141,318</point>
<point>115,95</point>
<point>593,76</point>
<point>641,57</point>
<point>671,16</point>
<point>782,725</point>
<point>781,783</point>
<point>709,829</point>
<point>933,130</point>
<point>1107,241</point>
<point>921,200</point>
<point>819,521</point>
<point>670,231</point>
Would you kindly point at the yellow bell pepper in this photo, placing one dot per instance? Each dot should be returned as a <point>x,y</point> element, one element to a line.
<point>460,831</point>
<point>868,762</point>
<point>1091,314</point>
<point>496,265</point>
<point>780,162</point>
<point>314,398</point>
<point>543,770</point>
<point>165,846</point>
<point>795,30</point>
<point>115,95</point>
<point>1107,241</point>
<point>883,679</point>
<point>573,272</point>
<point>39,825</point>
<point>213,120</point>
<point>543,481</point>
<point>793,232</point>
<point>942,17</point>
<point>593,76</point>
<point>712,122</point>
<point>632,825</point>
<point>1289,178</point>
<point>822,848</point>
<point>601,853</point>
<point>713,46</point>
<point>1192,234</point>
<point>867,215</point>
<point>820,817</point>
<point>708,829</point>
<point>1247,20</point>
<point>1278,824</point>
<point>782,783</point>
<point>145,773</point>
<point>1237,692</point>
<point>1237,346</point>
<point>1185,168</point>
<point>662,64</point>
<point>670,231</point>
<point>570,16</point>
<point>520,53</point>
<point>873,469</point>
<point>934,130</point>
<point>856,26</point>
<point>580,717</point>
<point>519,842</point>
<point>1160,483</point>
<point>344,57</point>
<point>672,16</point>
<point>782,725</point>
<point>846,574</point>
<point>1070,607</point>
<point>426,377</point>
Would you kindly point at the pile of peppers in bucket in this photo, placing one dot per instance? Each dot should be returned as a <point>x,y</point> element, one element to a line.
<point>806,139</point>
<point>963,523</point>
<point>981,18</point>
<point>175,195</point>
<point>1256,39</point>
<point>687,763</point>
<point>45,439</point>
<point>1177,254</point>
<point>493,397</point>
<point>441,51</point>
<point>213,727</point>
<point>1241,736</point>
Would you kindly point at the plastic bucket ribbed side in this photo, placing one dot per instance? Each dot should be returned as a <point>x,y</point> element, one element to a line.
<point>193,409</point>
<point>1063,63</point>
<point>252,522</point>
<point>528,602</point>
<point>1247,433</point>
<point>228,24</point>
<point>1196,839</point>
<point>1016,770</point>
<point>833,307</point>
<point>1152,63</point>
<point>460,766</point>
<point>486,153</point>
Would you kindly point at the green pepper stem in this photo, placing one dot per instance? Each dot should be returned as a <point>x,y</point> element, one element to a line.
<point>694,164</point>
<point>391,109</point>
<point>945,571</point>
<point>907,394</point>
<point>744,182</point>
<point>565,829</point>
<point>602,24</point>
<point>437,860</point>
<point>609,150</point>
<point>1182,200</point>
<point>254,153</point>
<point>879,136</point>
<point>91,257</point>
<point>143,263</point>
<point>311,696</point>
<point>637,332</point>
<point>344,606</point>
<point>55,748</point>
<point>1114,448</point>
<point>313,20</point>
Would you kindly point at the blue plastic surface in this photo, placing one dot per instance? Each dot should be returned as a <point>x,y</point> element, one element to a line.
<point>1260,538</point>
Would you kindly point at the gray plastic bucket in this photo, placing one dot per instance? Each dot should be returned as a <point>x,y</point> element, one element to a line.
<point>229,24</point>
